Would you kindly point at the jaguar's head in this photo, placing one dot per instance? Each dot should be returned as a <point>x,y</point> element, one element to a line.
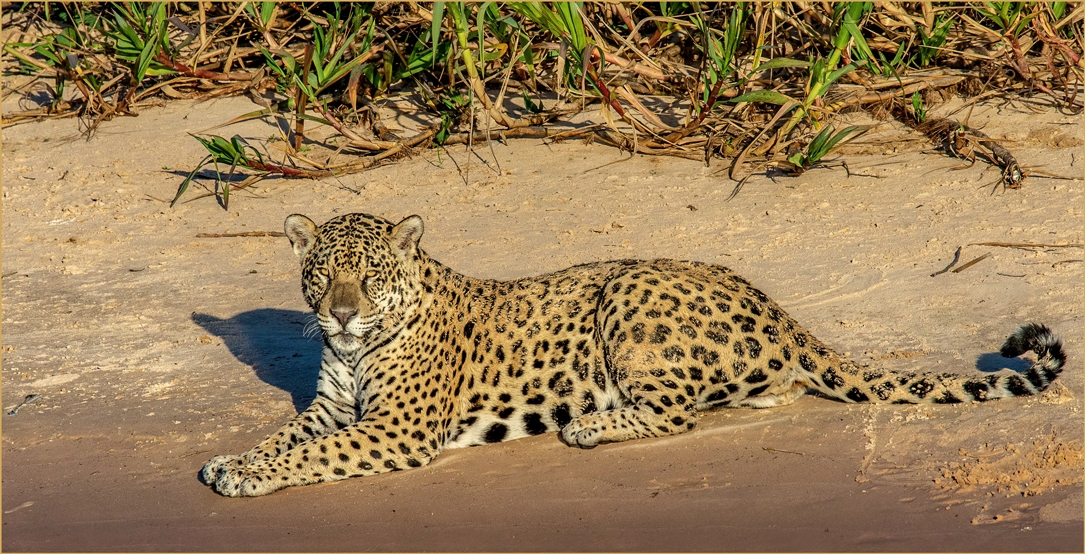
<point>359,273</point>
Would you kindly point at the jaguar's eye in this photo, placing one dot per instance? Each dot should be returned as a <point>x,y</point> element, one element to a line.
<point>322,276</point>
<point>370,274</point>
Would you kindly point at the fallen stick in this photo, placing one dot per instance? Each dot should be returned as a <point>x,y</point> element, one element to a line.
<point>183,69</point>
<point>483,136</point>
<point>972,263</point>
<point>956,257</point>
<point>770,449</point>
<point>955,137</point>
<point>245,234</point>
<point>1025,245</point>
<point>1060,262</point>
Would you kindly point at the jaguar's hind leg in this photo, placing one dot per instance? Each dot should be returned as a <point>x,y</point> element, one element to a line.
<point>631,422</point>
<point>789,389</point>
<point>660,404</point>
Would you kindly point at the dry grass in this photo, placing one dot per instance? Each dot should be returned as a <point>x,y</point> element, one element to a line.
<point>752,81</point>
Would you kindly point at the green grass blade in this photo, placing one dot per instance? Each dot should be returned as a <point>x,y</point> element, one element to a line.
<point>188,180</point>
<point>840,72</point>
<point>820,147</point>
<point>270,63</point>
<point>150,45</point>
<point>333,63</point>
<point>480,26</point>
<point>127,33</point>
<point>782,62</point>
<point>226,189</point>
<point>815,150</point>
<point>768,96</point>
<point>265,12</point>
<point>844,134</point>
<point>854,12</point>
<point>569,14</point>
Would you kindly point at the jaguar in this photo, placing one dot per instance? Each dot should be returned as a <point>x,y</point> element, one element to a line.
<point>418,358</point>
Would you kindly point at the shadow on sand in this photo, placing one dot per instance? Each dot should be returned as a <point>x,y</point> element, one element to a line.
<point>993,361</point>
<point>272,343</point>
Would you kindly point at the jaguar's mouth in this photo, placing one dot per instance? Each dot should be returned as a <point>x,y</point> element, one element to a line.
<point>346,339</point>
<point>342,335</point>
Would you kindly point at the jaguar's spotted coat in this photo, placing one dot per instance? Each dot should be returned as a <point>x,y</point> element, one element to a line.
<point>419,358</point>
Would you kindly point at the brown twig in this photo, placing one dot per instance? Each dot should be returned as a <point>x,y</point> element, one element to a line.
<point>972,263</point>
<point>1060,262</point>
<point>287,171</point>
<point>245,234</point>
<point>183,69</point>
<point>956,257</point>
<point>355,140</point>
<point>1025,245</point>
<point>593,76</point>
<point>483,136</point>
<point>960,141</point>
<point>769,449</point>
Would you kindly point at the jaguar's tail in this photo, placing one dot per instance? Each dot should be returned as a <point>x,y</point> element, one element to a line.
<point>899,387</point>
<point>1049,356</point>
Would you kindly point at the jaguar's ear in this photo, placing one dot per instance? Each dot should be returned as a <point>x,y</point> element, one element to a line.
<point>405,235</point>
<point>302,233</point>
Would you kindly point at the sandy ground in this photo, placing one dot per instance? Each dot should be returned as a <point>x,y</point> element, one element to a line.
<point>153,349</point>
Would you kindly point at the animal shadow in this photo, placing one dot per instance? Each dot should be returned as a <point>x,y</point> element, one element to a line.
<point>993,361</point>
<point>272,342</point>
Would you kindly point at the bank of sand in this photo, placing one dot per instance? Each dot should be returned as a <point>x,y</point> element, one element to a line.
<point>154,350</point>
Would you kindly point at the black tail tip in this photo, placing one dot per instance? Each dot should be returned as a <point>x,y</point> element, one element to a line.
<point>1035,337</point>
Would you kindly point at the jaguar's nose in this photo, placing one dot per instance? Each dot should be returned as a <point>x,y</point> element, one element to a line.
<point>343,314</point>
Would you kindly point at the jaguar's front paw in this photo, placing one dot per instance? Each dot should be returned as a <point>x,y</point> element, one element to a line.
<point>245,482</point>
<point>214,468</point>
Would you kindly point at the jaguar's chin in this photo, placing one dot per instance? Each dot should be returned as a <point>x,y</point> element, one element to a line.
<point>345,341</point>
